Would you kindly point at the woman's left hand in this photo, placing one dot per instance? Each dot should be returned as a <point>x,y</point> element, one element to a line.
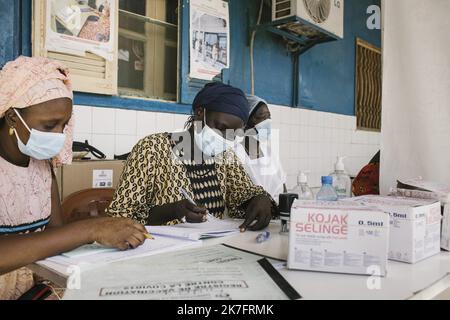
<point>259,209</point>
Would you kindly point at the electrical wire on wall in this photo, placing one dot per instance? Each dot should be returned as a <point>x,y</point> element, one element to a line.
<point>293,48</point>
<point>252,45</point>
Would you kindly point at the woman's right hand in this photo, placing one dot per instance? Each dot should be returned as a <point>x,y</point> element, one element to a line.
<point>120,233</point>
<point>192,213</point>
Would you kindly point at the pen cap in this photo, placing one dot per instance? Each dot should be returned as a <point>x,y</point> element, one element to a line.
<point>285,202</point>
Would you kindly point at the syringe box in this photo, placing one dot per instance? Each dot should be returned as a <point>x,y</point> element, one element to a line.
<point>338,237</point>
<point>415,226</point>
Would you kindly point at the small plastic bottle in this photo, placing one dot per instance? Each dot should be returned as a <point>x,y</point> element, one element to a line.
<point>341,180</point>
<point>302,189</point>
<point>327,192</point>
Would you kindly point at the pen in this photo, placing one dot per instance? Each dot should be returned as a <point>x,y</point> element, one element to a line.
<point>149,236</point>
<point>263,237</point>
<point>188,198</point>
<point>186,195</point>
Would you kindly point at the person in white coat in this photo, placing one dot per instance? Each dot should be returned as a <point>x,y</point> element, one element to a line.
<point>258,151</point>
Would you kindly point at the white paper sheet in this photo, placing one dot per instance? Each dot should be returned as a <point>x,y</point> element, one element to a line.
<point>88,250</point>
<point>94,258</point>
<point>206,273</point>
<point>213,228</point>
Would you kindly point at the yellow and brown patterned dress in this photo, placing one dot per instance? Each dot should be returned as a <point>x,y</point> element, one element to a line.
<point>153,175</point>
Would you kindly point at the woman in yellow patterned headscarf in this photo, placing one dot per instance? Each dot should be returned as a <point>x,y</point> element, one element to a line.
<point>35,128</point>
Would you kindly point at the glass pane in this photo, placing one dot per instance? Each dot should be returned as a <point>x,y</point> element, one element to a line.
<point>131,63</point>
<point>148,49</point>
<point>137,7</point>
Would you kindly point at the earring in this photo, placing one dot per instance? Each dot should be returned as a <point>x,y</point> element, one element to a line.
<point>11,131</point>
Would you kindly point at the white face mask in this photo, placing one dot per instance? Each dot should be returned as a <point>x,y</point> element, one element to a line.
<point>40,145</point>
<point>210,142</point>
<point>264,130</point>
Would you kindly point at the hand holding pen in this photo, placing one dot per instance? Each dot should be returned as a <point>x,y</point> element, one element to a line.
<point>188,211</point>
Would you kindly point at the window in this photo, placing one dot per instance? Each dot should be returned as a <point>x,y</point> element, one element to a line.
<point>148,48</point>
<point>88,20</point>
<point>368,86</point>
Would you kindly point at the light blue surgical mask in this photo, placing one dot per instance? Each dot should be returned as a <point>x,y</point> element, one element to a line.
<point>40,145</point>
<point>210,142</point>
<point>264,130</point>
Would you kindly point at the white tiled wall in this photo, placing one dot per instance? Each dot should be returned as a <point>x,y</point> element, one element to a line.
<point>311,140</point>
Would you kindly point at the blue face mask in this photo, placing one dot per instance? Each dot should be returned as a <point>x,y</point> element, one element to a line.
<point>40,145</point>
<point>210,142</point>
<point>264,130</point>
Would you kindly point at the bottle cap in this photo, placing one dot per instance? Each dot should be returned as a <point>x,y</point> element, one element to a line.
<point>303,177</point>
<point>327,180</point>
<point>339,166</point>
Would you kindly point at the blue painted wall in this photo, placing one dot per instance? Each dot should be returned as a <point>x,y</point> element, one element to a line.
<point>326,71</point>
<point>9,27</point>
<point>273,68</point>
<point>15,29</point>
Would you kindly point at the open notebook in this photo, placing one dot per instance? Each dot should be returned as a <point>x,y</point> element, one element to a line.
<point>94,255</point>
<point>213,228</point>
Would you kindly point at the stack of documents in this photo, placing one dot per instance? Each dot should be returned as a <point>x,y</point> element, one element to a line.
<point>167,238</point>
<point>213,228</point>
<point>419,188</point>
<point>94,255</point>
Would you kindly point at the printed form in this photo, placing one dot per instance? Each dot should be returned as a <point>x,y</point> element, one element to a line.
<point>207,273</point>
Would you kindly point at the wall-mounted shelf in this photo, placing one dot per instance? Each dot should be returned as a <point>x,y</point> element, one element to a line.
<point>299,31</point>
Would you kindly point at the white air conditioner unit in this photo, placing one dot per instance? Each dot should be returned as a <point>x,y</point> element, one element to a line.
<point>313,17</point>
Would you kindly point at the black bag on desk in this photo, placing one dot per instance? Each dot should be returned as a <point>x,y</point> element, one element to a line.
<point>83,148</point>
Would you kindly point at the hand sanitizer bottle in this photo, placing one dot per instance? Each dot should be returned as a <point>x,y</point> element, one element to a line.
<point>341,180</point>
<point>302,188</point>
<point>327,192</point>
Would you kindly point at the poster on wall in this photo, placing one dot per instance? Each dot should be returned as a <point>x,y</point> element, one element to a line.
<point>209,38</point>
<point>80,26</point>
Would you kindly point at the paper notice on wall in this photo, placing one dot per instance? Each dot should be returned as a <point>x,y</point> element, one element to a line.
<point>209,38</point>
<point>77,27</point>
<point>102,179</point>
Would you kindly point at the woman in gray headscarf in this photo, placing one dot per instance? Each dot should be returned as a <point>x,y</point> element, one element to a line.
<point>259,150</point>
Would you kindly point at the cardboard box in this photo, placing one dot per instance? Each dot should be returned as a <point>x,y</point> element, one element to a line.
<point>445,210</point>
<point>338,237</point>
<point>419,188</point>
<point>445,229</point>
<point>88,174</point>
<point>415,226</point>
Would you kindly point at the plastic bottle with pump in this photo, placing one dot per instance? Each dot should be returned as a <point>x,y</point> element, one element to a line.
<point>341,180</point>
<point>302,189</point>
